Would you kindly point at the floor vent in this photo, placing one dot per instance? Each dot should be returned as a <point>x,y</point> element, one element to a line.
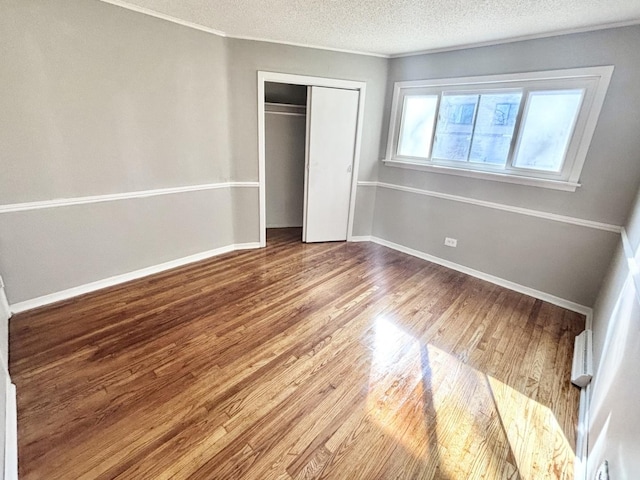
<point>582,370</point>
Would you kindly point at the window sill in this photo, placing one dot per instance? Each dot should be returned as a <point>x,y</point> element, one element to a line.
<point>494,176</point>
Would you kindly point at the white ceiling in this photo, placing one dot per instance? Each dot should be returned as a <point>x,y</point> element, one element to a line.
<point>391,27</point>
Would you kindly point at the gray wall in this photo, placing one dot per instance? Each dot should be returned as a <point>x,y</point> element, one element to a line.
<point>609,179</point>
<point>614,425</point>
<point>284,164</point>
<point>248,57</point>
<point>364,211</point>
<point>535,252</point>
<point>102,100</point>
<point>98,100</point>
<point>246,215</point>
<point>49,250</point>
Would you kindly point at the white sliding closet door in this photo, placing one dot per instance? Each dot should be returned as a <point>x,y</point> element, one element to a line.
<point>332,115</point>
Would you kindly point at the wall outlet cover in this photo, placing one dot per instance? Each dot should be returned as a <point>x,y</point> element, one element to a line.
<point>450,242</point>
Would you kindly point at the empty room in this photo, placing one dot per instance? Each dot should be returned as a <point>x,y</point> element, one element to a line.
<point>319,240</point>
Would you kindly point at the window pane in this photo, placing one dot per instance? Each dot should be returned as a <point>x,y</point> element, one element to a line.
<point>418,118</point>
<point>495,123</point>
<point>455,126</point>
<point>547,127</point>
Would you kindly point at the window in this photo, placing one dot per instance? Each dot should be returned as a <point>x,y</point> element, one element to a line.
<point>530,128</point>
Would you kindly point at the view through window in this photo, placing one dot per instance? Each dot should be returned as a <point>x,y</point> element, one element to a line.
<point>536,125</point>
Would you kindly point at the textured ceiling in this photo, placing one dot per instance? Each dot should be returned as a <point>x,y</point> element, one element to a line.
<point>391,27</point>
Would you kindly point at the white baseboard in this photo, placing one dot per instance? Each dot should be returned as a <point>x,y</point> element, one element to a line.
<point>283,225</point>
<point>360,238</point>
<point>115,280</point>
<point>125,277</point>
<point>11,434</point>
<point>547,297</point>
<point>246,246</point>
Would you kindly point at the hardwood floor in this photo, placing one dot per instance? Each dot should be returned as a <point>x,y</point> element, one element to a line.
<point>298,361</point>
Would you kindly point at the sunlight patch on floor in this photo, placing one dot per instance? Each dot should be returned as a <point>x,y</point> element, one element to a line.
<point>442,410</point>
<point>468,427</point>
<point>395,375</point>
<point>539,445</point>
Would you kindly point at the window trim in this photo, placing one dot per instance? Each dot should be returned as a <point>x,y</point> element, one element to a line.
<point>594,80</point>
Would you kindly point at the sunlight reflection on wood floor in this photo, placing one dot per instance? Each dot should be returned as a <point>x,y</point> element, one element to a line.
<point>334,361</point>
<point>465,416</point>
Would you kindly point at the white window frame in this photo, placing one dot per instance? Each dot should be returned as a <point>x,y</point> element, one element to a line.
<point>593,80</point>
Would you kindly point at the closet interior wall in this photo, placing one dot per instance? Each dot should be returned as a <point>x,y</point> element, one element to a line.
<point>285,132</point>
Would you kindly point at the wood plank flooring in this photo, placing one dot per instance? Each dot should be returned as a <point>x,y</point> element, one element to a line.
<point>318,361</point>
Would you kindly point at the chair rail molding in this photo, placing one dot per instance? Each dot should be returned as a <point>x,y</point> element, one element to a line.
<point>112,197</point>
<point>607,227</point>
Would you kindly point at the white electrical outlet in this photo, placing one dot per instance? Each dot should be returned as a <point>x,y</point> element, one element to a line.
<point>451,242</point>
<point>603,471</point>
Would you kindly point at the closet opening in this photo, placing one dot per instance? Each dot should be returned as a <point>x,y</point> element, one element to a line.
<point>285,125</point>
<point>309,132</point>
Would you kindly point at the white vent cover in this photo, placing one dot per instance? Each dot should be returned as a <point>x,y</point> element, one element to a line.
<point>582,370</point>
